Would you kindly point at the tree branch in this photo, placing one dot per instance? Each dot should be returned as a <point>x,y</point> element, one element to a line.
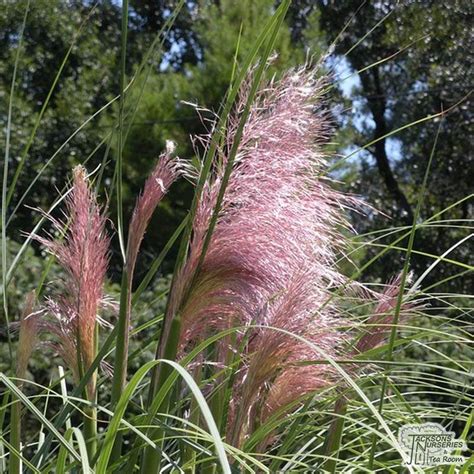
<point>377,106</point>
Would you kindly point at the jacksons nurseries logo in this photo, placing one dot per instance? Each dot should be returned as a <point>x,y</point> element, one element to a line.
<point>429,444</point>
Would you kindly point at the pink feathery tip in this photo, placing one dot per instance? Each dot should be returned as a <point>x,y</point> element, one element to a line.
<point>378,327</point>
<point>278,215</point>
<point>156,186</point>
<point>83,254</point>
<point>28,338</point>
<point>271,259</point>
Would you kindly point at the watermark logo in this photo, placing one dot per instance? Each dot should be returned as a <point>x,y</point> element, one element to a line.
<point>429,444</point>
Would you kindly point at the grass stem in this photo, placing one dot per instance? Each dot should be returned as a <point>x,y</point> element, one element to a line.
<point>121,355</point>
<point>15,436</point>
<point>90,430</point>
<point>152,458</point>
<point>334,436</point>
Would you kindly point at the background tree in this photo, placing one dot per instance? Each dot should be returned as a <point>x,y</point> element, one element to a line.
<point>430,74</point>
<point>78,42</point>
<point>426,71</point>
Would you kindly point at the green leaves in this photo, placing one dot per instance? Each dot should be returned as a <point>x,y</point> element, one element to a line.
<point>112,430</point>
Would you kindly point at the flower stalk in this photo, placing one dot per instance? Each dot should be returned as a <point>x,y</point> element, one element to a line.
<point>162,177</point>
<point>83,254</point>
<point>28,327</point>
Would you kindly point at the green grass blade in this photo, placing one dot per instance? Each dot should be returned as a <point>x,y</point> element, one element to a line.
<point>335,432</point>
<point>396,315</point>
<point>118,169</point>
<point>16,453</point>
<point>25,400</point>
<point>5,181</point>
<point>112,430</point>
<point>62,455</point>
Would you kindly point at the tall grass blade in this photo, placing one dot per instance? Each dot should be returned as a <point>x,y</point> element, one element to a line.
<point>5,200</point>
<point>31,407</point>
<point>118,169</point>
<point>396,315</point>
<point>112,430</point>
<point>62,455</point>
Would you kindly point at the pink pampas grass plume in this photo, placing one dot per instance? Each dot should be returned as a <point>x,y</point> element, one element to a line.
<point>278,214</point>
<point>378,326</point>
<point>156,186</point>
<point>83,254</point>
<point>271,259</point>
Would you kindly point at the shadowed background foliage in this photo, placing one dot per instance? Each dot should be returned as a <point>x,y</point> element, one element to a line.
<point>427,71</point>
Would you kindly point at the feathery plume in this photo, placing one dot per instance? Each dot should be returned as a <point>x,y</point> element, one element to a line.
<point>377,326</point>
<point>271,258</point>
<point>83,254</point>
<point>156,186</point>
<point>270,264</point>
<point>277,215</point>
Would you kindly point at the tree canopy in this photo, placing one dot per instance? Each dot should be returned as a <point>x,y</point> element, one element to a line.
<point>406,61</point>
